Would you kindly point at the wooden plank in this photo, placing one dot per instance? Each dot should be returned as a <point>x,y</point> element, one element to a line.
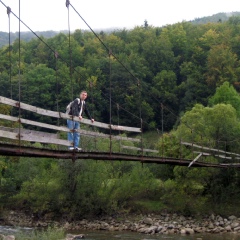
<point>209,149</point>
<point>217,155</point>
<point>28,107</point>
<point>230,164</point>
<point>126,139</point>
<point>124,128</point>
<point>34,123</point>
<point>30,132</point>
<point>139,149</point>
<point>102,135</point>
<point>65,129</point>
<point>64,115</point>
<point>100,124</point>
<point>32,138</point>
<point>195,159</point>
<point>85,121</point>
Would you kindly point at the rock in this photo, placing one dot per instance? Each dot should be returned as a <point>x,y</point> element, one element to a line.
<point>183,231</point>
<point>211,226</point>
<point>234,224</point>
<point>182,218</point>
<point>9,237</point>
<point>81,236</point>
<point>216,230</point>
<point>228,228</point>
<point>232,218</point>
<point>189,231</point>
<point>75,237</point>
<point>237,229</point>
<point>148,221</point>
<point>212,217</point>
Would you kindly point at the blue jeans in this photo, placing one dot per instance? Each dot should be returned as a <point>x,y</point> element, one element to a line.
<point>74,136</point>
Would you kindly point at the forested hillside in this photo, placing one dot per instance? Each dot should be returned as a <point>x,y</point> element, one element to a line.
<point>27,36</point>
<point>191,70</point>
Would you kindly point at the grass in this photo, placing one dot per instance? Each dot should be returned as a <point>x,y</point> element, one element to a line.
<point>48,234</point>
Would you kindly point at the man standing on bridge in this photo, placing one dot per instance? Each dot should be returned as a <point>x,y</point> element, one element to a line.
<point>76,109</point>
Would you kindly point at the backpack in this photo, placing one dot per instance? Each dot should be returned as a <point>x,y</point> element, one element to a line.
<point>70,104</point>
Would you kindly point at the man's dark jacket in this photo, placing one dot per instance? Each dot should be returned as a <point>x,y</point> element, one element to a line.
<point>76,107</point>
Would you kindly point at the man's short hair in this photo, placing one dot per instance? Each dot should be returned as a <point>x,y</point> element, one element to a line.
<point>83,91</point>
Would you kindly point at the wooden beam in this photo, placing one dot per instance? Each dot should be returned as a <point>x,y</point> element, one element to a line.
<point>64,115</point>
<point>195,159</point>
<point>209,149</point>
<point>65,129</point>
<point>33,138</point>
<point>217,155</point>
<point>30,132</point>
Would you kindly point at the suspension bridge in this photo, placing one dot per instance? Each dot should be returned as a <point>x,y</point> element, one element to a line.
<point>21,140</point>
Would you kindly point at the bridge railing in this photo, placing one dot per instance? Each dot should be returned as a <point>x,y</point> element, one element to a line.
<point>21,134</point>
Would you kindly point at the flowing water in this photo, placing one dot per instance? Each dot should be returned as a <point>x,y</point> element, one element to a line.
<point>102,235</point>
<point>106,235</point>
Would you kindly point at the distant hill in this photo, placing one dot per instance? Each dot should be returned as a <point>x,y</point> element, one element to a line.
<point>27,36</point>
<point>219,17</point>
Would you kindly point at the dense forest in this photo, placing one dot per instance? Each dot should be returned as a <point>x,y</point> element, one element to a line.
<point>190,69</point>
<point>27,36</point>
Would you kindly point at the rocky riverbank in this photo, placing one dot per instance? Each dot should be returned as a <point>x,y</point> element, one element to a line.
<point>150,224</point>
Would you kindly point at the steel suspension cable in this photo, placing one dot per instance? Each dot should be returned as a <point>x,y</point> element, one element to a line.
<point>139,84</point>
<point>19,77</point>
<point>108,50</point>
<point>70,49</point>
<point>120,141</point>
<point>57,90</point>
<point>110,102</point>
<point>10,50</point>
<point>57,84</point>
<point>162,128</point>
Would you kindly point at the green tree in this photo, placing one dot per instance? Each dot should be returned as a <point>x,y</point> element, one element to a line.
<point>216,127</point>
<point>226,94</point>
<point>222,66</point>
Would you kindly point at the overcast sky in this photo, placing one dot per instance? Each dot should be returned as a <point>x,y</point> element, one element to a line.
<point>43,15</point>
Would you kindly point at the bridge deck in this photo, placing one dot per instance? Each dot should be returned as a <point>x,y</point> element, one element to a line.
<point>22,151</point>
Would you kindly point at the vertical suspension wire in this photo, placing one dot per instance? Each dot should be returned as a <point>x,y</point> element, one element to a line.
<point>70,66</point>
<point>70,49</point>
<point>120,142</point>
<point>10,50</point>
<point>181,145</point>
<point>192,143</point>
<point>140,111</point>
<point>92,100</point>
<point>110,102</point>
<point>57,89</point>
<point>162,128</point>
<point>57,84</point>
<point>19,76</point>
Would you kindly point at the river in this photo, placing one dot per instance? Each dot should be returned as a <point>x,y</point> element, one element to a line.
<point>106,235</point>
<point>102,235</point>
